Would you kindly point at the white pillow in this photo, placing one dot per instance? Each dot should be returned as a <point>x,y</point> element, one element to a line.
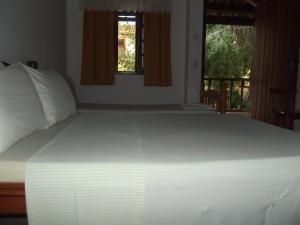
<point>55,95</point>
<point>20,109</point>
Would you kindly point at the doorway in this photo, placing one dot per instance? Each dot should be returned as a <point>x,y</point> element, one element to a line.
<point>228,47</point>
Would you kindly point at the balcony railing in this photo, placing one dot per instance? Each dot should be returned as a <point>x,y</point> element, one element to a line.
<point>237,92</point>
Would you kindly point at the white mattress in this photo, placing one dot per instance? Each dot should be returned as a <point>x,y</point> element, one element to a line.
<point>166,169</point>
<point>13,160</point>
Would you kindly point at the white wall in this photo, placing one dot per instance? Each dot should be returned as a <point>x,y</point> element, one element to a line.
<point>33,30</point>
<point>41,29</point>
<point>194,44</point>
<point>129,89</point>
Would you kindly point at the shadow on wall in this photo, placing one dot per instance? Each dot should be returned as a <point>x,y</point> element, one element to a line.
<point>71,84</point>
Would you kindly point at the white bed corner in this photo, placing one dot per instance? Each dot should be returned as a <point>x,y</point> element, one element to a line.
<point>13,160</point>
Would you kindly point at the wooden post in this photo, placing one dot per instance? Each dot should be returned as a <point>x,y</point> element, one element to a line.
<point>202,90</point>
<point>223,97</point>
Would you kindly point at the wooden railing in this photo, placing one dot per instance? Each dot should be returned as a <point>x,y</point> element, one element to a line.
<point>235,90</point>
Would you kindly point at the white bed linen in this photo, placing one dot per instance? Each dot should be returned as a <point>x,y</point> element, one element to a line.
<point>14,159</point>
<point>166,169</point>
<point>21,111</point>
<point>54,93</point>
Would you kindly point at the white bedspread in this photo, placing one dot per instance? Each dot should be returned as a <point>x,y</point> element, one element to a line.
<point>166,169</point>
<point>13,160</point>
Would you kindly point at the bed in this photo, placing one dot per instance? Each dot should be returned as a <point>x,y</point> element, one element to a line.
<point>117,166</point>
<point>12,169</point>
<point>13,161</point>
<point>216,167</point>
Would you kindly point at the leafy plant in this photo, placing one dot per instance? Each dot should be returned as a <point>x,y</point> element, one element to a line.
<point>228,54</point>
<point>126,58</point>
<point>228,51</point>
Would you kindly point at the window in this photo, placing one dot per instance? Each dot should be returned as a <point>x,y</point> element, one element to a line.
<point>129,46</point>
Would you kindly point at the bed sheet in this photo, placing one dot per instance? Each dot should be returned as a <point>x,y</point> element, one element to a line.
<point>166,169</point>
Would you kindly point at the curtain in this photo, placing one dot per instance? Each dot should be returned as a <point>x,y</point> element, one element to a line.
<point>157,50</point>
<point>127,5</point>
<point>98,56</point>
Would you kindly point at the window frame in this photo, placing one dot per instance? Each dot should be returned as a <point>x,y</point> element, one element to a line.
<point>139,42</point>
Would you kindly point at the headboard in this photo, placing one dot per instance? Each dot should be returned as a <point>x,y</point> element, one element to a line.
<point>32,64</point>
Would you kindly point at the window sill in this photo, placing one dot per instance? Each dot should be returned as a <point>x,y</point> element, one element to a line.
<point>129,74</point>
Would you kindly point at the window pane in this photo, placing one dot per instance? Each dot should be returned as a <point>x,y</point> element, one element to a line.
<point>126,46</point>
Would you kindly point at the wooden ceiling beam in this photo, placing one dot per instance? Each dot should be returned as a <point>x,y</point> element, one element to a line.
<point>228,7</point>
<point>231,12</point>
<point>229,21</point>
<point>252,2</point>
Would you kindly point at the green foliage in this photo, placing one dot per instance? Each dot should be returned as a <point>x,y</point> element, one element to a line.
<point>126,62</point>
<point>126,59</point>
<point>228,51</point>
<point>235,102</point>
